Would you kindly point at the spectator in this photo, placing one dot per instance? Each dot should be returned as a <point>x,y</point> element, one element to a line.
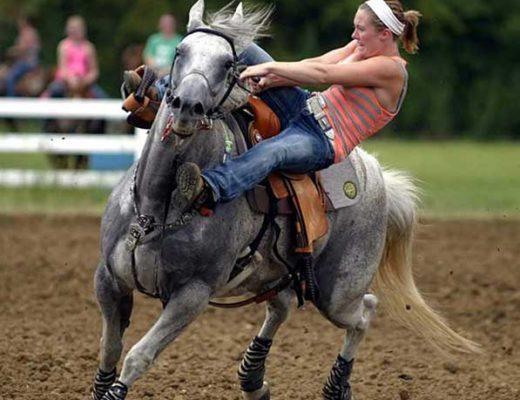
<point>24,54</point>
<point>159,51</point>
<point>78,70</point>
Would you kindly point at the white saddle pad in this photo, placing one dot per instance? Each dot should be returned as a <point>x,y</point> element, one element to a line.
<point>341,184</point>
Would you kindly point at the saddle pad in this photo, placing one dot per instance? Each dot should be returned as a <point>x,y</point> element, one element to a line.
<point>341,184</point>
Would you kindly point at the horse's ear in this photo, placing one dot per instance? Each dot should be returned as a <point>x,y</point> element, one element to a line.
<point>239,13</point>
<point>196,13</point>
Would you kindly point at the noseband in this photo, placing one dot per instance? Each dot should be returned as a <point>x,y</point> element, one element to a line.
<point>233,76</point>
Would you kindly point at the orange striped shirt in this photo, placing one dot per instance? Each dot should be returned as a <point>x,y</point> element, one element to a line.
<point>355,114</point>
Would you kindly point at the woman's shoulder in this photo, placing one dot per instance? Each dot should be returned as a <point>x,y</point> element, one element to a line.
<point>63,44</point>
<point>390,65</point>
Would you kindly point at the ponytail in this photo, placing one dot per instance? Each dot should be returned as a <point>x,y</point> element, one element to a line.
<point>409,18</point>
<point>410,38</point>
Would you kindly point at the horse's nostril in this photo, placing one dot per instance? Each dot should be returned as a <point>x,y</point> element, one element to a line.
<point>198,109</point>
<point>176,103</point>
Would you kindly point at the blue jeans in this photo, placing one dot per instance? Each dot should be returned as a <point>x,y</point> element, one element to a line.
<point>300,147</point>
<point>16,72</point>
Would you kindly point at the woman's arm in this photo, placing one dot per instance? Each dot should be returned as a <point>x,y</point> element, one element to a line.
<point>93,72</point>
<point>334,56</point>
<point>373,72</point>
<point>62,66</point>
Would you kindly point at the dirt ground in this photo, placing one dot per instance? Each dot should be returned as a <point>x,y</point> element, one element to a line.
<point>50,325</point>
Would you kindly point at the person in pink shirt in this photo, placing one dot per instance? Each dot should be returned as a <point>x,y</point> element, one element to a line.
<point>78,70</point>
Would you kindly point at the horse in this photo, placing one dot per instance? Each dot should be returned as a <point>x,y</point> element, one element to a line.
<point>185,259</point>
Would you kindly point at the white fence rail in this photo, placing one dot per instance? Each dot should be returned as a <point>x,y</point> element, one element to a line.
<point>65,144</point>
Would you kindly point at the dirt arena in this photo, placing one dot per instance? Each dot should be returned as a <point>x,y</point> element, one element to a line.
<point>49,324</point>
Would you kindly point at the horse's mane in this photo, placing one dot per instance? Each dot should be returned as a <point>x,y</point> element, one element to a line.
<point>253,25</point>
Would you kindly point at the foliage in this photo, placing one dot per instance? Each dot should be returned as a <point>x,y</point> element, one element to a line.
<point>464,81</point>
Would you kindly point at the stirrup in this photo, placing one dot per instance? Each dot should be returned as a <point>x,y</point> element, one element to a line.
<point>141,97</point>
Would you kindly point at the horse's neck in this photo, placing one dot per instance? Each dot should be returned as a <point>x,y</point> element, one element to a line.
<point>156,173</point>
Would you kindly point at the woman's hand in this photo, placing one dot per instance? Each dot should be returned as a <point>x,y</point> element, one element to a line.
<point>257,85</point>
<point>356,55</point>
<point>256,71</point>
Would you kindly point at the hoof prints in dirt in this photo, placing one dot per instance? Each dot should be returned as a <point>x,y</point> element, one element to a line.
<point>50,325</point>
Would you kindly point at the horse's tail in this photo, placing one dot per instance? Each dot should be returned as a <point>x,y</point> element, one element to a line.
<point>394,283</point>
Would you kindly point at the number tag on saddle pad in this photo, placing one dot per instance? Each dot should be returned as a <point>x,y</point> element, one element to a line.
<point>341,184</point>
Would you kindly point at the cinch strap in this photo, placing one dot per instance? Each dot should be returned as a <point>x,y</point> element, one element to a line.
<point>386,15</point>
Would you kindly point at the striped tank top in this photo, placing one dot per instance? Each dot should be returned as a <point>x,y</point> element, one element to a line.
<point>355,114</point>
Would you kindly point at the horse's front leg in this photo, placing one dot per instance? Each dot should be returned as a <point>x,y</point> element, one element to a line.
<point>116,308</point>
<point>252,369</point>
<point>182,308</point>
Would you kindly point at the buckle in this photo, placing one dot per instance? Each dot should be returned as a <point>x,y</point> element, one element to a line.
<point>330,134</point>
<point>138,230</point>
<point>323,122</point>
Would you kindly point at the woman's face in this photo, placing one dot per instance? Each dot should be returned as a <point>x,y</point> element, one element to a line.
<point>369,39</point>
<point>75,30</point>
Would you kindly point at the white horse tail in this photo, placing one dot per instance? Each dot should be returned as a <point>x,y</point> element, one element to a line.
<point>394,283</point>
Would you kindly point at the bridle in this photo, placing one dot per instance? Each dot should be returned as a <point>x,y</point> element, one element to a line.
<point>233,76</point>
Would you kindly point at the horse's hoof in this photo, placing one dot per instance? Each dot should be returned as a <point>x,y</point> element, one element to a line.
<point>117,391</point>
<point>261,394</point>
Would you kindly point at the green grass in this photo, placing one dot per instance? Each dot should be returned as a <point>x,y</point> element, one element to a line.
<point>53,200</point>
<point>457,178</point>
<point>24,161</point>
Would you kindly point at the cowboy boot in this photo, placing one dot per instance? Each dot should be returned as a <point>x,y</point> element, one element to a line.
<point>192,191</point>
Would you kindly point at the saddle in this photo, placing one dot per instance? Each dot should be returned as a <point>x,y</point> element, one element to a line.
<point>300,195</point>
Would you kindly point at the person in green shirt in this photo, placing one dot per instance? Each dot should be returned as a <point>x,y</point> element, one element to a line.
<point>159,51</point>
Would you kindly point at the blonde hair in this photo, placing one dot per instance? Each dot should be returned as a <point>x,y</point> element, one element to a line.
<point>409,18</point>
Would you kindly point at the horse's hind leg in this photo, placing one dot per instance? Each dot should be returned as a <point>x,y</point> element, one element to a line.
<point>115,309</point>
<point>182,308</point>
<point>356,320</point>
<point>252,369</point>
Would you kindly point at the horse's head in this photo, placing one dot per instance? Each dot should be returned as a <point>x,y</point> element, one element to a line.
<point>206,67</point>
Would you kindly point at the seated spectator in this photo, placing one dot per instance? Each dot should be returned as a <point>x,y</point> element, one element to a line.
<point>78,70</point>
<point>24,54</point>
<point>159,51</point>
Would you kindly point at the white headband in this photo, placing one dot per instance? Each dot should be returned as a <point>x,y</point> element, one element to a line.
<point>386,15</point>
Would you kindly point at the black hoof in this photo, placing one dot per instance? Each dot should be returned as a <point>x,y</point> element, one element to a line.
<point>117,391</point>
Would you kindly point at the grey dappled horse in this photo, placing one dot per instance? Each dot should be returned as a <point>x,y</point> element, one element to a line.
<point>189,262</point>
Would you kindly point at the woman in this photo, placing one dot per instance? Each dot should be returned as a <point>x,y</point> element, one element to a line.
<point>77,64</point>
<point>369,82</point>
<point>25,53</point>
